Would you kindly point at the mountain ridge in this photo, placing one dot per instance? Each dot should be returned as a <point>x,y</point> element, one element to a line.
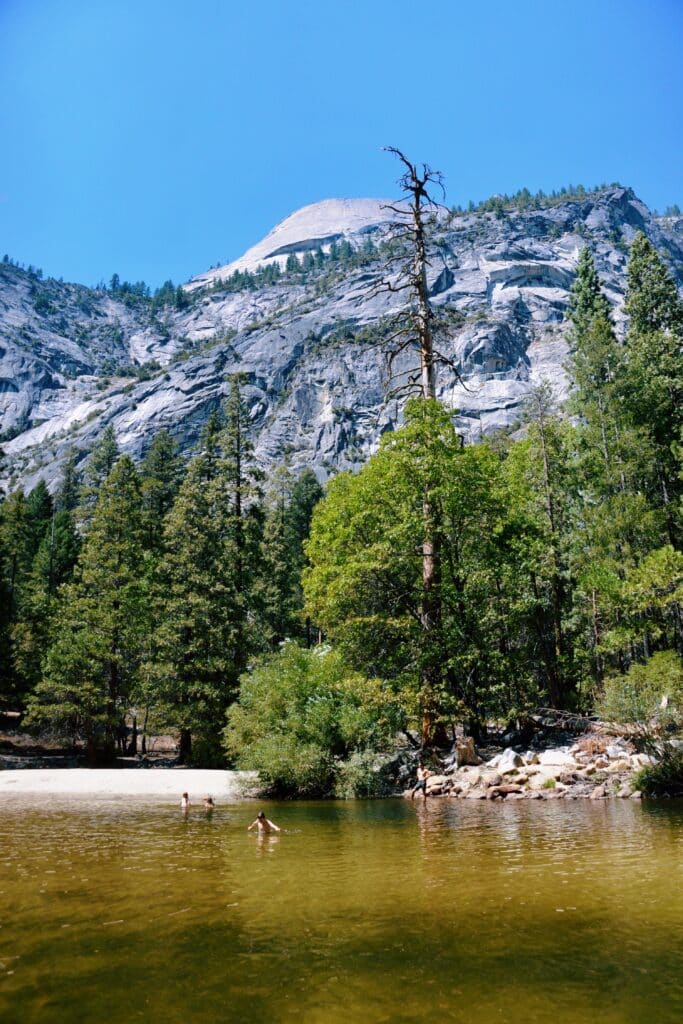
<point>73,359</point>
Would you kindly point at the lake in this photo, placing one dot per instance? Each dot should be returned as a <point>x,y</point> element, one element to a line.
<point>378,911</point>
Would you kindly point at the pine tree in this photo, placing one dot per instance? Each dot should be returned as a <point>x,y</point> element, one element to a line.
<point>160,472</point>
<point>192,675</point>
<point>52,566</point>
<point>652,301</point>
<point>280,571</point>
<point>23,522</point>
<point>651,382</point>
<point>540,471</point>
<point>100,464</point>
<point>91,669</point>
<point>39,510</point>
<point>586,299</point>
<point>67,496</point>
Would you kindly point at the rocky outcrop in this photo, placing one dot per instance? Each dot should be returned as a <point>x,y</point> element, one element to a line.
<point>595,768</point>
<point>74,359</point>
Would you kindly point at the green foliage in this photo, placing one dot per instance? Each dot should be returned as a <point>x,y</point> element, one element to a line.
<point>301,714</point>
<point>364,584</point>
<point>365,773</point>
<point>523,199</point>
<point>586,299</point>
<point>289,507</point>
<point>647,692</point>
<point>100,464</point>
<point>91,668</point>
<point>206,584</point>
<point>160,473</point>
<point>652,301</point>
<point>665,778</point>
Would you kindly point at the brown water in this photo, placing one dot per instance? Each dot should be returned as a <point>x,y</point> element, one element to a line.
<point>377,911</point>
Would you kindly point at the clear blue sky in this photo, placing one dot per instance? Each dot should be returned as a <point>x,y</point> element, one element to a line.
<point>156,137</point>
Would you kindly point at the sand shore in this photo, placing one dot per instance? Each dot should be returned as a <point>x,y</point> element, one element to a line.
<point>157,782</point>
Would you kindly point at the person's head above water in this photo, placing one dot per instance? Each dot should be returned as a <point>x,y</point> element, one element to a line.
<point>260,815</point>
<point>185,797</point>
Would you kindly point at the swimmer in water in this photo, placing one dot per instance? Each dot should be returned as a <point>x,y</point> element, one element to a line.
<point>185,803</point>
<point>263,824</point>
<point>209,805</point>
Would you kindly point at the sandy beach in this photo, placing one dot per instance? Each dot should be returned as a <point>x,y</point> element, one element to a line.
<point>105,782</point>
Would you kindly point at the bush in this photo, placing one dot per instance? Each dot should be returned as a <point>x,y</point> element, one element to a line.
<point>664,778</point>
<point>365,774</point>
<point>646,692</point>
<point>302,714</point>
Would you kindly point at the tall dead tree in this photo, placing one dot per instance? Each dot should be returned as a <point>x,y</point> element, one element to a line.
<point>413,328</point>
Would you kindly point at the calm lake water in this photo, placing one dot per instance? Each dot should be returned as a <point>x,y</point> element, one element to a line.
<point>369,912</point>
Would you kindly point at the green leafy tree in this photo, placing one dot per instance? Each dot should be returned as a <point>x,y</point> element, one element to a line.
<point>301,714</point>
<point>364,585</point>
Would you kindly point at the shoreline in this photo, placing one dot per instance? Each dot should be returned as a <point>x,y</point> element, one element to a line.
<point>151,782</point>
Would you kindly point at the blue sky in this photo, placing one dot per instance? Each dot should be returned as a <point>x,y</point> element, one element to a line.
<point>157,137</point>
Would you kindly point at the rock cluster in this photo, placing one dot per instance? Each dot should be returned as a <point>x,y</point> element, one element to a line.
<point>595,768</point>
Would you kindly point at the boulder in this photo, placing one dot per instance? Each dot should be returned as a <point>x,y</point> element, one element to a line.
<point>556,757</point>
<point>531,757</point>
<point>492,779</point>
<point>599,793</point>
<point>437,782</point>
<point>622,765</point>
<point>509,760</point>
<point>505,790</point>
<point>637,795</point>
<point>641,760</point>
<point>475,794</point>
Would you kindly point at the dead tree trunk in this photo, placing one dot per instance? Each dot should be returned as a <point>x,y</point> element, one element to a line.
<point>415,186</point>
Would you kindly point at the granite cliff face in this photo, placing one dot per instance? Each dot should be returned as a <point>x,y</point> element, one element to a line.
<point>74,359</point>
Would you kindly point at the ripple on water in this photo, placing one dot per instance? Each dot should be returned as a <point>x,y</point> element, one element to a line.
<point>378,911</point>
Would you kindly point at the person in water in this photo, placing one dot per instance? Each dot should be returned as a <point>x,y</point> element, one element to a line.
<point>421,784</point>
<point>185,803</point>
<point>263,824</point>
<point>209,805</point>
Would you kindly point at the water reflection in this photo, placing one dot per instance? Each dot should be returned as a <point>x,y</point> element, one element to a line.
<point>382,911</point>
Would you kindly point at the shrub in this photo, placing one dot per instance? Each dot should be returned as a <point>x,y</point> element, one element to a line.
<point>549,783</point>
<point>301,714</point>
<point>664,778</point>
<point>365,774</point>
<point>646,692</point>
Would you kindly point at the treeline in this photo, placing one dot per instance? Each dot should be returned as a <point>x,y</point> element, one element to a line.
<point>145,591</point>
<point>342,255</point>
<point>166,591</point>
<point>524,199</point>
